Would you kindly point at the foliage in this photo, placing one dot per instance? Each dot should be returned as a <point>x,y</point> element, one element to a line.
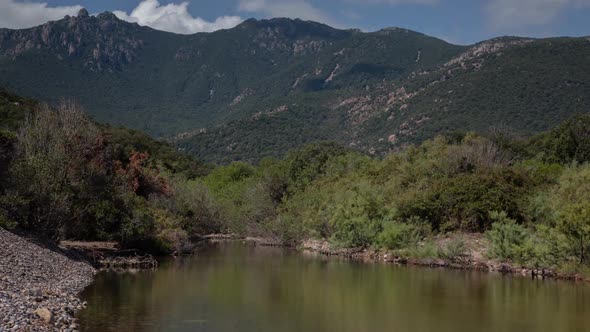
<point>571,200</point>
<point>67,177</point>
<point>309,163</point>
<point>453,250</point>
<point>567,143</point>
<point>396,235</point>
<point>507,238</point>
<point>539,246</point>
<point>161,155</point>
<point>167,84</point>
<point>58,154</point>
<point>205,93</point>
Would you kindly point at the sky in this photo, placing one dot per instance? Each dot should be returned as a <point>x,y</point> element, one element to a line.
<point>456,21</point>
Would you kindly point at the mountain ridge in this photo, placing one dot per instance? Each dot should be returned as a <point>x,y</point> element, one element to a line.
<point>375,91</point>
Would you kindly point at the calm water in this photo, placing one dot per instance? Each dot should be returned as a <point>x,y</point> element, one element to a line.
<point>238,287</point>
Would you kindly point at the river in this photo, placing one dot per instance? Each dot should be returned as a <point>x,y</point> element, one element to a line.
<point>242,287</point>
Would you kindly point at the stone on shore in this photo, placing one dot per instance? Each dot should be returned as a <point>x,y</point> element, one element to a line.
<point>45,315</point>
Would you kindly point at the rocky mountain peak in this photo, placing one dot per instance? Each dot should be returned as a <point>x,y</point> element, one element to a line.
<point>103,43</point>
<point>83,13</point>
<point>107,16</point>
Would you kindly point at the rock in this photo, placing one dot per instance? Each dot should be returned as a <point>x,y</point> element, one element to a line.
<point>35,292</point>
<point>45,315</point>
<point>83,13</point>
<point>39,283</point>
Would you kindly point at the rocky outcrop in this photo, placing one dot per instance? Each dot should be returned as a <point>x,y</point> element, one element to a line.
<point>485,48</point>
<point>103,43</point>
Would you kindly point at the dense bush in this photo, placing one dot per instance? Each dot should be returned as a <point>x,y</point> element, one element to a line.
<point>568,142</point>
<point>507,238</point>
<point>571,199</point>
<point>64,176</point>
<point>397,235</point>
<point>357,215</point>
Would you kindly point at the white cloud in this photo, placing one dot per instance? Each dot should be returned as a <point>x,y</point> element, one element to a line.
<point>174,18</point>
<point>510,14</point>
<point>287,8</point>
<point>19,15</point>
<point>396,2</point>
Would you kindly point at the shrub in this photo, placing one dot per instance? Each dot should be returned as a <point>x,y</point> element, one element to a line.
<point>569,142</point>
<point>507,238</point>
<point>545,247</point>
<point>453,250</point>
<point>477,153</point>
<point>174,241</point>
<point>571,199</point>
<point>463,202</point>
<point>289,230</point>
<point>356,215</point>
<point>425,249</point>
<point>396,235</point>
<point>7,223</point>
<point>309,163</point>
<point>194,207</point>
<point>58,153</point>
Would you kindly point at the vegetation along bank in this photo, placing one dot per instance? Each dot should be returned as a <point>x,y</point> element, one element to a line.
<point>64,176</point>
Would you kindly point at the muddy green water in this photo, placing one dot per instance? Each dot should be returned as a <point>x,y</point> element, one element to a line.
<point>240,287</point>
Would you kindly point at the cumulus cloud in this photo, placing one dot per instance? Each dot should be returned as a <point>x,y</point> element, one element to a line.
<point>510,14</point>
<point>174,18</point>
<point>287,8</point>
<point>19,15</point>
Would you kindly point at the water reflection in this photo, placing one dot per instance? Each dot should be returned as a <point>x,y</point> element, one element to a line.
<point>239,287</point>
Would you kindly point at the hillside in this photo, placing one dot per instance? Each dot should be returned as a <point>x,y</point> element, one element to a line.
<point>164,83</point>
<point>516,85</point>
<point>267,86</point>
<point>14,110</point>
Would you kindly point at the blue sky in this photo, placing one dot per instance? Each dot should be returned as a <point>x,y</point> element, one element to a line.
<point>457,21</point>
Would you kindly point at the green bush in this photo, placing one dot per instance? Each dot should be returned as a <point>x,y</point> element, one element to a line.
<point>507,238</point>
<point>453,250</point>
<point>463,202</point>
<point>546,247</point>
<point>357,215</point>
<point>397,235</point>
<point>310,162</point>
<point>571,203</point>
<point>567,143</point>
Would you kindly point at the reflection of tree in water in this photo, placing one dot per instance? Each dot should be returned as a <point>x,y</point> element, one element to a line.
<point>237,287</point>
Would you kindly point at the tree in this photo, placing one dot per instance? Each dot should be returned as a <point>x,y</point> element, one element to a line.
<point>57,153</point>
<point>572,205</point>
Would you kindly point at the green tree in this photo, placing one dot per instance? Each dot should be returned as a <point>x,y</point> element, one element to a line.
<point>57,155</point>
<point>572,207</point>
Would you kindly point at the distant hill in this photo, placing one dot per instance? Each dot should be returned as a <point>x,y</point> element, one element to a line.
<point>267,86</point>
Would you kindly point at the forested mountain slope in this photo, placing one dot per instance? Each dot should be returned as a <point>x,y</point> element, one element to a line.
<point>266,86</point>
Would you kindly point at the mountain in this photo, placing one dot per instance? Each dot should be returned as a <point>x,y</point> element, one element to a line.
<point>519,85</point>
<point>266,86</point>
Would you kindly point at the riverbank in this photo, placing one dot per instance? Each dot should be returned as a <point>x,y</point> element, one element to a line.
<point>471,257</point>
<point>39,285</point>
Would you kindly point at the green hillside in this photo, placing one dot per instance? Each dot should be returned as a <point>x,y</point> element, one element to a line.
<point>518,86</point>
<point>268,86</point>
<point>164,83</point>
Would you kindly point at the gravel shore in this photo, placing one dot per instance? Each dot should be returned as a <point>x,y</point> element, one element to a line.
<point>39,285</point>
